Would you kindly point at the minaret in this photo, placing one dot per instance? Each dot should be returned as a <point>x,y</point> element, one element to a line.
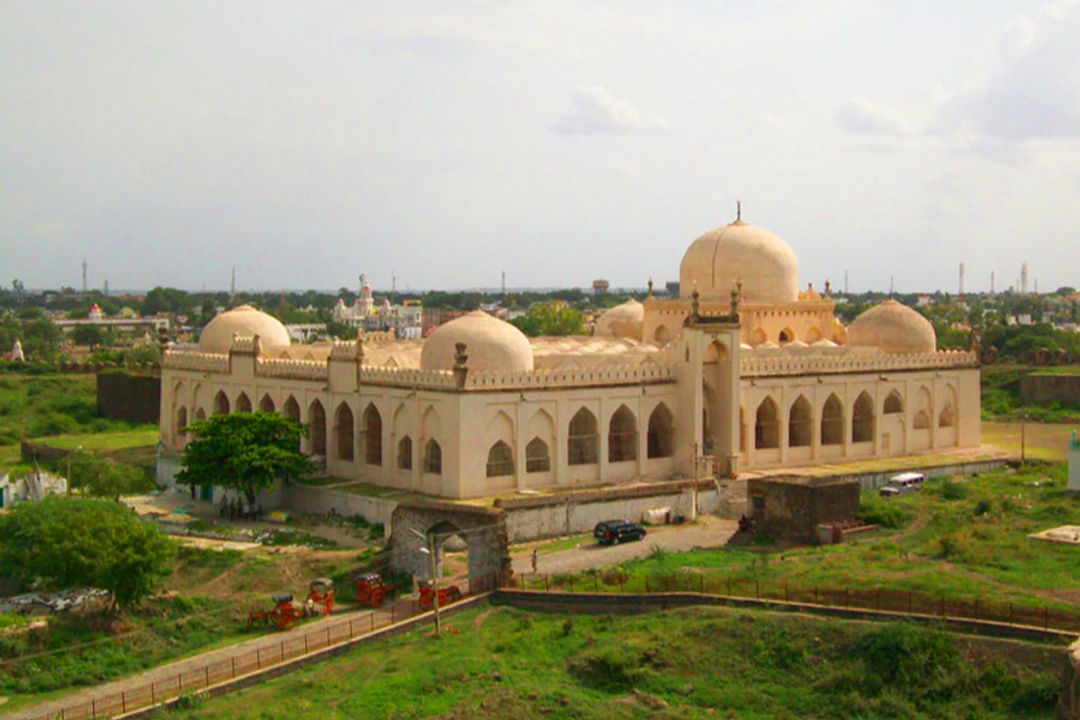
<point>84,286</point>
<point>991,282</point>
<point>232,283</point>
<point>961,288</point>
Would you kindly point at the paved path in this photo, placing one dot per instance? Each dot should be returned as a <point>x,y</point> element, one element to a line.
<point>269,641</point>
<point>710,532</point>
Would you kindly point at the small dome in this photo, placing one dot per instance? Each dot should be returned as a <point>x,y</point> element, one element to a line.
<point>761,260</point>
<point>246,321</point>
<point>622,321</point>
<point>490,344</point>
<point>893,328</point>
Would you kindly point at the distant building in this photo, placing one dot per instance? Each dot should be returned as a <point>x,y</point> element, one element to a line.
<point>406,320</point>
<point>155,323</point>
<point>600,286</point>
<point>924,301</point>
<point>35,485</point>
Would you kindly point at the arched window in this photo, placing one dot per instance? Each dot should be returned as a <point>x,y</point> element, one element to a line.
<point>659,440</point>
<point>893,403</point>
<point>536,456</point>
<point>181,420</point>
<point>758,336</point>
<point>786,336</point>
<point>221,403</point>
<point>372,435</point>
<point>922,421</point>
<point>404,453</point>
<point>432,457</point>
<point>344,422</point>
<point>200,415</point>
<point>862,419</point>
<point>266,404</point>
<point>832,422</point>
<point>581,443</point>
<point>800,423</point>
<point>767,425</point>
<point>292,409</point>
<point>500,460</point>
<point>317,424</point>
<point>947,416</point>
<point>622,436</point>
<point>243,404</point>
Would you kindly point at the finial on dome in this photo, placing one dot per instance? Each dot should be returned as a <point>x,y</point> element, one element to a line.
<point>738,211</point>
<point>650,288</point>
<point>695,305</point>
<point>828,288</point>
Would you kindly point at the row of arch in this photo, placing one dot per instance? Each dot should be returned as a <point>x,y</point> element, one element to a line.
<point>832,422</point>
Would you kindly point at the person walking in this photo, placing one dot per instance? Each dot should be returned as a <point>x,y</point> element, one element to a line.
<point>535,560</point>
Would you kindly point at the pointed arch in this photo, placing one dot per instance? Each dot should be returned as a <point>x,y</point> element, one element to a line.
<point>537,457</point>
<point>660,438</point>
<point>947,416</point>
<point>200,414</point>
<point>814,334</point>
<point>832,421</point>
<point>622,436</point>
<point>404,453</point>
<point>291,408</point>
<point>343,424</point>
<point>662,335</point>
<point>181,421</point>
<point>862,418</point>
<point>372,435</point>
<point>432,457</point>
<point>894,403</point>
<point>786,335</point>
<point>767,425</point>
<point>582,438</point>
<point>800,423</point>
<point>266,404</point>
<point>243,403</point>
<point>921,421</point>
<point>717,352</point>
<point>317,428</point>
<point>758,336</point>
<point>500,460</point>
<point>221,403</point>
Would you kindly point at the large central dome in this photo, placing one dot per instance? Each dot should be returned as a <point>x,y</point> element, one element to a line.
<point>761,260</point>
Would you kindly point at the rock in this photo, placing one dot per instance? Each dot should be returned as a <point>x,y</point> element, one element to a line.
<point>650,700</point>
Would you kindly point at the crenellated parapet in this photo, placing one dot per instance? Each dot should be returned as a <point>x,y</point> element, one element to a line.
<point>188,360</point>
<point>569,377</point>
<point>344,350</point>
<point>379,336</point>
<point>290,368</point>
<point>245,345</point>
<point>407,377</point>
<point>753,365</point>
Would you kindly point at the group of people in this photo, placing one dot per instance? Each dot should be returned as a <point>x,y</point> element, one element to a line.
<point>235,508</point>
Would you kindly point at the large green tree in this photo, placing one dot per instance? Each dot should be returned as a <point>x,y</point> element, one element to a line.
<point>554,318</point>
<point>75,542</point>
<point>245,452</point>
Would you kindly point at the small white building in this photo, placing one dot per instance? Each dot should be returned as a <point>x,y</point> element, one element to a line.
<point>35,485</point>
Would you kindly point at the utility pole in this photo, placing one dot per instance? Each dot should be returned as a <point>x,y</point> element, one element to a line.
<point>84,288</point>
<point>434,582</point>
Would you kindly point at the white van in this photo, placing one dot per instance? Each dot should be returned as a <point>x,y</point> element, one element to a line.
<point>903,483</point>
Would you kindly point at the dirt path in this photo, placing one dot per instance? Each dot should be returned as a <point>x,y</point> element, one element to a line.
<point>710,532</point>
<point>269,642</point>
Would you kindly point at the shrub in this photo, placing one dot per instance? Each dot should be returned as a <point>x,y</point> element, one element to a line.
<point>889,514</point>
<point>982,507</point>
<point>54,423</point>
<point>952,491</point>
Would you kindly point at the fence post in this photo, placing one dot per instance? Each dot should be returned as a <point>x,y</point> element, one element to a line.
<point>327,636</point>
<point>180,681</point>
<point>93,708</point>
<point>283,651</point>
<point>233,674</point>
<point>207,669</point>
<point>305,643</point>
<point>123,701</point>
<point>350,628</point>
<point>153,699</point>
<point>372,616</point>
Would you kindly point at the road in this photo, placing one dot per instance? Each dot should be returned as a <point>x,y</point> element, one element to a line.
<point>710,532</point>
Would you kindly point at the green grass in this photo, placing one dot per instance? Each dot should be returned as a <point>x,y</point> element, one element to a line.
<point>1043,441</point>
<point>124,439</point>
<point>558,545</point>
<point>960,539</point>
<point>692,663</point>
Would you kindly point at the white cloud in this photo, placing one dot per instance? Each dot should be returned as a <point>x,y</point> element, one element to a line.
<point>859,115</point>
<point>598,112</point>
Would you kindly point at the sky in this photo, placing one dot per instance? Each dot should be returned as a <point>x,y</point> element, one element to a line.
<point>444,143</point>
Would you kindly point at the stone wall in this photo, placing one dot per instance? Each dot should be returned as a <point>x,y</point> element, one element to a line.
<point>1039,389</point>
<point>125,396</point>
<point>311,499</point>
<point>794,507</point>
<point>530,518</point>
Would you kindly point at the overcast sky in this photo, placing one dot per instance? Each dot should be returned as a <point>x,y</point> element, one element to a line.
<point>305,142</point>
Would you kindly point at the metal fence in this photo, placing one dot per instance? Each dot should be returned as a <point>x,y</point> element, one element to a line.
<point>909,602</point>
<point>272,652</point>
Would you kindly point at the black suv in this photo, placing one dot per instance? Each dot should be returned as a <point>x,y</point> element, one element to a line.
<point>613,532</point>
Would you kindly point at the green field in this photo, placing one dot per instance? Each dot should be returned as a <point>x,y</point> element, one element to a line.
<point>500,662</point>
<point>961,538</point>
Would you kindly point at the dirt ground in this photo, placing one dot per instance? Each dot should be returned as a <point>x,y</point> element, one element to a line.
<point>709,532</point>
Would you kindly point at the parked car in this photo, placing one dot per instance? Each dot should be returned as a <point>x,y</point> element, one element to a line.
<point>903,483</point>
<point>613,532</point>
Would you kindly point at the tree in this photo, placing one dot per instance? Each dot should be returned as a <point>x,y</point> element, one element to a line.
<point>73,542</point>
<point>105,478</point>
<point>553,318</point>
<point>245,452</point>
<point>90,335</point>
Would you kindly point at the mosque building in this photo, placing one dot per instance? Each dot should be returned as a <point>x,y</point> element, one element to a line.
<point>743,371</point>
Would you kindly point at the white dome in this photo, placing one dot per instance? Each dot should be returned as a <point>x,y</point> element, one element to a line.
<point>622,321</point>
<point>490,344</point>
<point>245,321</point>
<point>761,260</point>
<point>894,328</point>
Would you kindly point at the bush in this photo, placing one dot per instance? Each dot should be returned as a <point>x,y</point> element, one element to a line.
<point>952,491</point>
<point>54,423</point>
<point>886,513</point>
<point>982,507</point>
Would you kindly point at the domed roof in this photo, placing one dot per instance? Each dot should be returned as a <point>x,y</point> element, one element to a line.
<point>490,344</point>
<point>622,321</point>
<point>894,328</point>
<point>246,321</point>
<point>761,260</point>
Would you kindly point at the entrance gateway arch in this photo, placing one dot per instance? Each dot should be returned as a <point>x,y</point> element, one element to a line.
<point>482,528</point>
